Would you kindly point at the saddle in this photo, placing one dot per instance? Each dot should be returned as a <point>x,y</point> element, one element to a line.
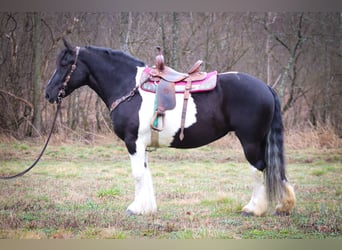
<point>166,82</point>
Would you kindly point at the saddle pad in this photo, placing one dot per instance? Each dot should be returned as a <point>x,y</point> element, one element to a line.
<point>208,84</point>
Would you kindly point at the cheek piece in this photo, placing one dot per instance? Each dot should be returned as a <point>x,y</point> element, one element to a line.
<point>61,93</point>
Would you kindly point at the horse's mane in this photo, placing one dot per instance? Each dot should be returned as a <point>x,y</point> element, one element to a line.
<point>116,55</point>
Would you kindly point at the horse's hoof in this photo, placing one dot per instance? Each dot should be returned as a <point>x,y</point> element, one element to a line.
<point>246,214</point>
<point>130,213</point>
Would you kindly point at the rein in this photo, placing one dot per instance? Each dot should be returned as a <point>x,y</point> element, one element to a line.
<point>60,97</point>
<point>43,150</point>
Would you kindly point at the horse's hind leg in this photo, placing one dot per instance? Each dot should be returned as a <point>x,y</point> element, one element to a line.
<point>288,201</point>
<point>258,203</point>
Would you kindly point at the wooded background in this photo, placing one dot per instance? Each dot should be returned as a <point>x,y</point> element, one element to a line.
<point>297,53</point>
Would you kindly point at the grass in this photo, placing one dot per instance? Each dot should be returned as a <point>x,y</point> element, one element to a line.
<point>81,191</point>
<point>112,192</point>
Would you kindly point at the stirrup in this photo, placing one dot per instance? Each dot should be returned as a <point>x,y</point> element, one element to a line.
<point>155,118</point>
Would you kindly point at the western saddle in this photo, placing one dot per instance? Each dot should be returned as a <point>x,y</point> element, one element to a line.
<point>166,78</point>
<point>168,74</point>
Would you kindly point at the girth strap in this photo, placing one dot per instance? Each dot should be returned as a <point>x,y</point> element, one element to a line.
<point>185,105</point>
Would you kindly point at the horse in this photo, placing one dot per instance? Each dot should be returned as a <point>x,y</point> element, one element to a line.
<point>238,103</point>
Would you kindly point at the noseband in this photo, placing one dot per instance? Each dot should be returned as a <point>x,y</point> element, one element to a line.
<point>61,93</point>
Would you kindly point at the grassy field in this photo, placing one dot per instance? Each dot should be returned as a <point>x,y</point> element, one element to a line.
<point>82,191</point>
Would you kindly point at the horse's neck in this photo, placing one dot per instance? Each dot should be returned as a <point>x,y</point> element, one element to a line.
<point>108,84</point>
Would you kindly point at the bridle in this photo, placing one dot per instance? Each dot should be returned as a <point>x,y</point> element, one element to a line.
<point>60,97</point>
<point>61,93</point>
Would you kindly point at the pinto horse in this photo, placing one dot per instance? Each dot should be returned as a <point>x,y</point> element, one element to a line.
<point>239,103</point>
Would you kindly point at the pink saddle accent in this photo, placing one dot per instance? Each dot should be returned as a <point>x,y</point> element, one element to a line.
<point>150,84</point>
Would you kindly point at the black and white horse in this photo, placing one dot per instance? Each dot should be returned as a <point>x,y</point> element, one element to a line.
<point>239,103</point>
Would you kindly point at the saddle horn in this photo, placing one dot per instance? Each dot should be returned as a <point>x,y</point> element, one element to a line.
<point>160,60</point>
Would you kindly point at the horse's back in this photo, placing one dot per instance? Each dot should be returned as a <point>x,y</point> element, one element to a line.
<point>244,87</point>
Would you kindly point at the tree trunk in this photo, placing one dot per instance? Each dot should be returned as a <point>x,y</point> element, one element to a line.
<point>36,80</point>
<point>125,28</point>
<point>98,114</point>
<point>163,35</point>
<point>175,40</point>
<point>270,20</point>
<point>207,40</point>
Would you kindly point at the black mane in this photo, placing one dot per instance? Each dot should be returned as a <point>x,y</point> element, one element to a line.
<point>117,55</point>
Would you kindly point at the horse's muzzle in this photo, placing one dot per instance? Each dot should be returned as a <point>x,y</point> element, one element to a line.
<point>49,98</point>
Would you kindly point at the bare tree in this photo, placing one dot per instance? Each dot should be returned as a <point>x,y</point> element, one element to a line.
<point>36,79</point>
<point>293,48</point>
<point>175,35</point>
<point>125,29</point>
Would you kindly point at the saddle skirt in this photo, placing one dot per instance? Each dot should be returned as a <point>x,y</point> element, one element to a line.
<point>201,83</point>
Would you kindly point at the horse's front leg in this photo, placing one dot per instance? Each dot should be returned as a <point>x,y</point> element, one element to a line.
<point>144,199</point>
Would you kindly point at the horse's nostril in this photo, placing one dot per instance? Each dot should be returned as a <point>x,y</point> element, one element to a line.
<point>47,96</point>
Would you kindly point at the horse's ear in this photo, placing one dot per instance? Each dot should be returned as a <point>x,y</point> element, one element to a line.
<point>67,44</point>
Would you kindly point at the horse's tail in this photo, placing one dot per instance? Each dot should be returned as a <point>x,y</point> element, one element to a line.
<point>275,177</point>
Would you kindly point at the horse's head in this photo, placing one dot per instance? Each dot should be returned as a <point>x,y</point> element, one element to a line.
<point>69,75</point>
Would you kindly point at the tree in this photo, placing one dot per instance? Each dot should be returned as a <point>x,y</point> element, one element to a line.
<point>294,49</point>
<point>125,29</point>
<point>175,34</point>
<point>36,79</point>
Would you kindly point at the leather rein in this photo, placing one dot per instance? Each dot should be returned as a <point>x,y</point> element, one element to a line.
<point>60,96</point>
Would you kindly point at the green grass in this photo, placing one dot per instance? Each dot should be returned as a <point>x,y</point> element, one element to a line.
<point>82,191</point>
<point>112,192</point>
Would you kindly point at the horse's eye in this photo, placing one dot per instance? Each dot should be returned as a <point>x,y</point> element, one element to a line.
<point>64,62</point>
